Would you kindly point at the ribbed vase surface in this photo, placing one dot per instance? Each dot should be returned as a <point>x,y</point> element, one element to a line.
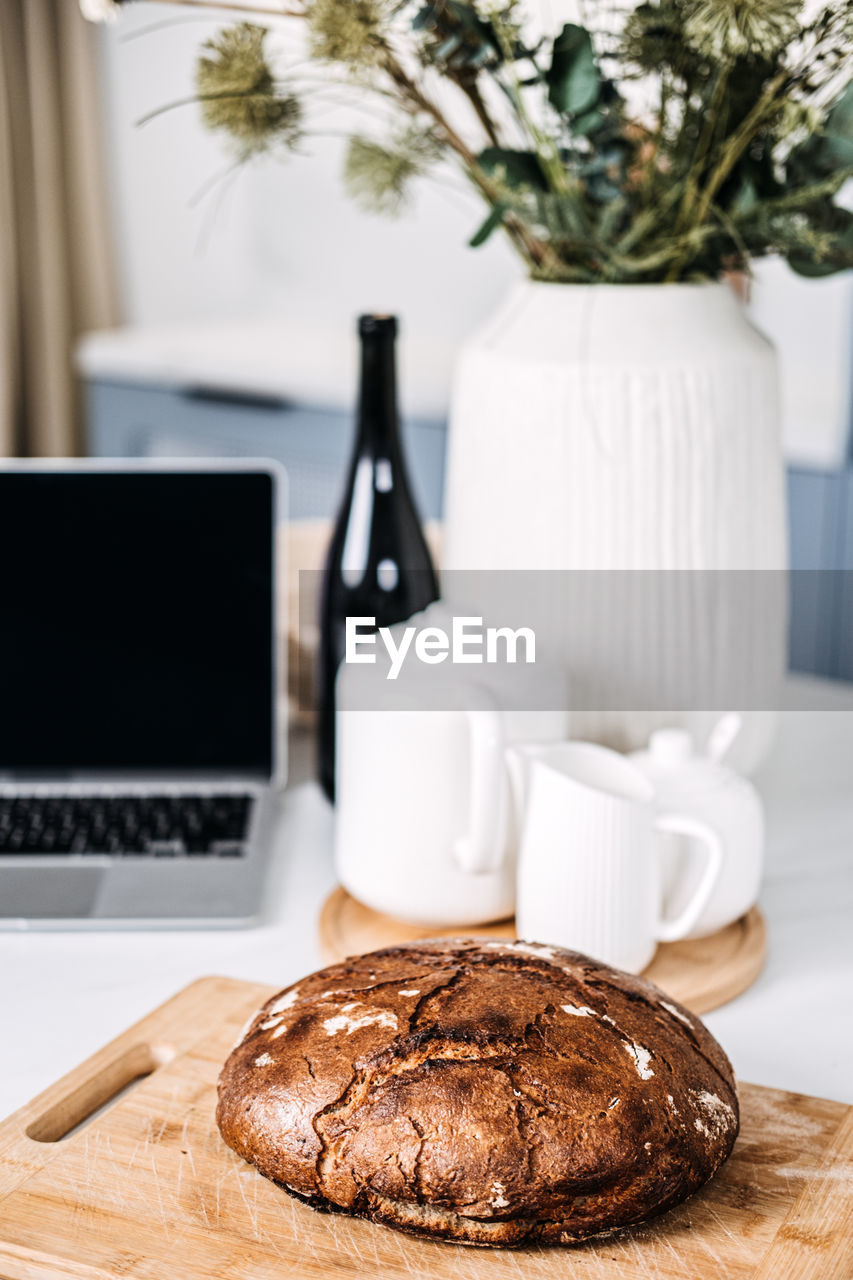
<point>619,427</point>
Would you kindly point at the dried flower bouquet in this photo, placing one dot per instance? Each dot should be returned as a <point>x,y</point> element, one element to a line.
<point>669,141</point>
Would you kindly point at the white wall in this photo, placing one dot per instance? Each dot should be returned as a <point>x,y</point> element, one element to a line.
<point>811,323</point>
<point>285,242</point>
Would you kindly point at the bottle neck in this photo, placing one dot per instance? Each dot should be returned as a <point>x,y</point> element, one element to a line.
<point>377,405</point>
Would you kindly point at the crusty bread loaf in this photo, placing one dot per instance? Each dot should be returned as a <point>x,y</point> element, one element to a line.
<point>489,1093</point>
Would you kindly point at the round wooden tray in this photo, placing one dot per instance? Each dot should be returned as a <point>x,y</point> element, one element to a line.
<point>701,973</point>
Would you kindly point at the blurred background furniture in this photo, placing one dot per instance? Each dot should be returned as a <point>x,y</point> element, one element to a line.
<point>268,390</point>
<point>262,390</point>
<point>821,521</point>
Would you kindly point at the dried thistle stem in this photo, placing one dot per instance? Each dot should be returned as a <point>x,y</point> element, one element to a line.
<point>532,249</point>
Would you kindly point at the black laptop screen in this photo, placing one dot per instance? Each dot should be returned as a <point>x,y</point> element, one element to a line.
<point>136,621</point>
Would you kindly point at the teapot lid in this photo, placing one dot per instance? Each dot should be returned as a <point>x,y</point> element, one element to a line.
<point>671,747</point>
<point>671,760</point>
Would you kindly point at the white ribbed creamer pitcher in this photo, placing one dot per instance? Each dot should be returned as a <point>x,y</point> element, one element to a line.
<point>590,860</point>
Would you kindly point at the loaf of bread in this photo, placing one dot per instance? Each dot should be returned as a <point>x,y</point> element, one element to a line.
<point>483,1092</point>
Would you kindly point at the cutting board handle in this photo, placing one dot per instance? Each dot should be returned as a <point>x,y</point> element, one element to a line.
<point>97,1090</point>
<point>33,1135</point>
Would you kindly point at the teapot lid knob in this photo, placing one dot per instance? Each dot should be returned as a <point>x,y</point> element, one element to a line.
<point>671,746</point>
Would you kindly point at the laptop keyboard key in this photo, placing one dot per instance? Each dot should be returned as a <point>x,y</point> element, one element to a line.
<point>133,825</point>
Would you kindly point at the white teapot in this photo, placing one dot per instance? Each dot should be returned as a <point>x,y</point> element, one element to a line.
<point>709,790</point>
<point>423,829</point>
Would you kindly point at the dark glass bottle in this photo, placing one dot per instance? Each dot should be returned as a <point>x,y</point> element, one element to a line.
<point>378,563</point>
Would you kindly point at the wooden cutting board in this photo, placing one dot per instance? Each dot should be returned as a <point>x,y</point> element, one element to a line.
<point>147,1188</point>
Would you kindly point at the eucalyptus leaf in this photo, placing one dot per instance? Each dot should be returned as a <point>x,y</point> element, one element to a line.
<point>586,123</point>
<point>839,254</point>
<point>838,133</point>
<point>491,224</point>
<point>574,81</point>
<point>829,149</point>
<point>513,168</point>
<point>812,268</point>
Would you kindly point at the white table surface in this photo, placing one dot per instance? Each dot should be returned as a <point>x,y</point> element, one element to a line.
<point>64,994</point>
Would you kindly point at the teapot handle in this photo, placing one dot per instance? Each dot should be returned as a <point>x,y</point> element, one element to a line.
<point>481,850</point>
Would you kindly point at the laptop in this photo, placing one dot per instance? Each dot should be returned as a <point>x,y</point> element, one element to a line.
<point>140,751</point>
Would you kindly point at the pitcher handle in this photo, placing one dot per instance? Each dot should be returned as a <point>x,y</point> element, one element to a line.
<point>681,824</point>
<point>481,849</point>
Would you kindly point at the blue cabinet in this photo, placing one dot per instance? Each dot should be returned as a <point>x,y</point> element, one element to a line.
<point>126,420</point>
<point>149,420</point>
<point>843,654</point>
<point>813,507</point>
<point>821,515</point>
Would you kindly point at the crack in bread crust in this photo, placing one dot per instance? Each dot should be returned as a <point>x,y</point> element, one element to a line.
<point>449,1089</point>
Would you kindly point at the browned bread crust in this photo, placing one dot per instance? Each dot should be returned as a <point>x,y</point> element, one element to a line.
<point>484,1092</point>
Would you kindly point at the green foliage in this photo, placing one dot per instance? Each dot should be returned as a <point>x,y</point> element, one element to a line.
<point>456,38</point>
<point>741,148</point>
<point>826,243</point>
<point>493,220</point>
<point>514,169</point>
<point>573,78</point>
<point>830,147</point>
<point>837,133</point>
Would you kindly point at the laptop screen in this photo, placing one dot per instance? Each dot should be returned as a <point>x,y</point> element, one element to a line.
<point>136,621</point>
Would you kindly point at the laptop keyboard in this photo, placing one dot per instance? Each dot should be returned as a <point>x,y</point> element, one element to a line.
<point>132,825</point>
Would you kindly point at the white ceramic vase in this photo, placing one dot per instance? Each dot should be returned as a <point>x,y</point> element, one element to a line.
<point>620,427</point>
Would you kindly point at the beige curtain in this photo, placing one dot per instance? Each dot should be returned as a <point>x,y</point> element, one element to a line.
<point>55,263</point>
